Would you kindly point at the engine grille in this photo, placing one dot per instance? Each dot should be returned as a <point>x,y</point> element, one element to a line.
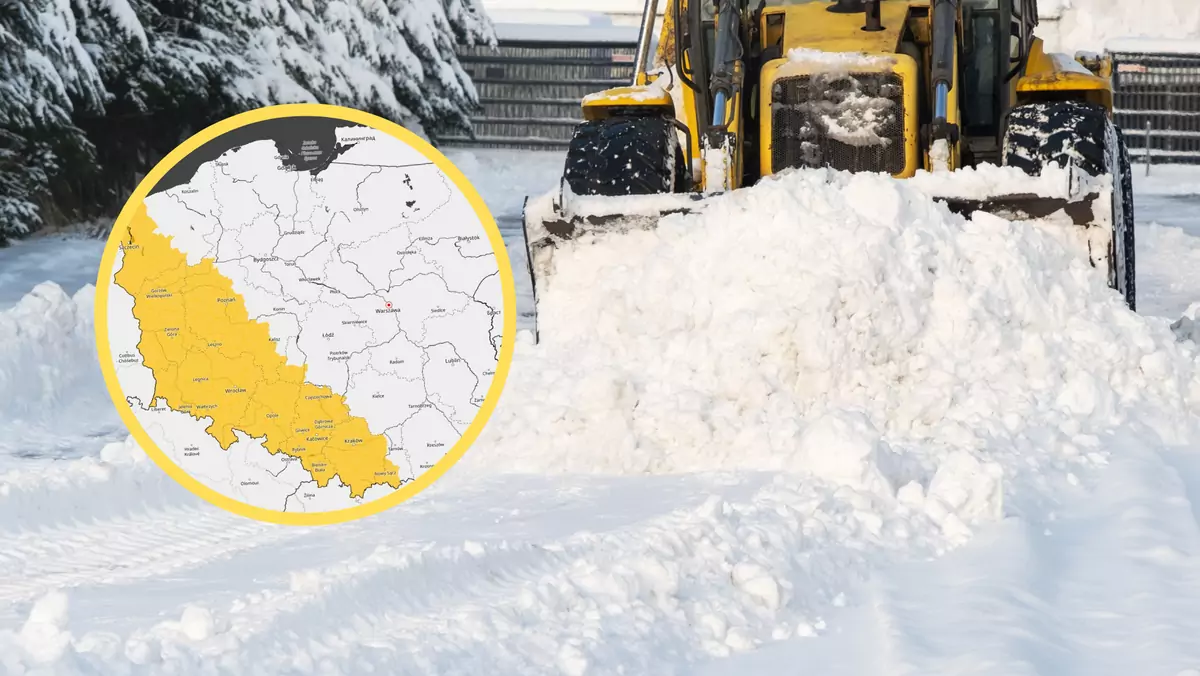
<point>852,122</point>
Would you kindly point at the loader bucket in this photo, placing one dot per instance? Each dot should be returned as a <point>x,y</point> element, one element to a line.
<point>1028,207</point>
<point>557,218</point>
<point>1085,201</point>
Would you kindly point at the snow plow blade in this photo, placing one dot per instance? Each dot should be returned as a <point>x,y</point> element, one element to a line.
<point>1024,207</point>
<point>549,223</point>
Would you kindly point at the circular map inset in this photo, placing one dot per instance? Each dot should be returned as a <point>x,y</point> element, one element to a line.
<point>305,314</point>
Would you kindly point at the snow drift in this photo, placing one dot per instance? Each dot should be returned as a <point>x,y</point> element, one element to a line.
<point>51,390</point>
<point>844,327</point>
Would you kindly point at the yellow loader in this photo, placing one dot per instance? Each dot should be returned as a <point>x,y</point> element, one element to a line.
<point>741,89</point>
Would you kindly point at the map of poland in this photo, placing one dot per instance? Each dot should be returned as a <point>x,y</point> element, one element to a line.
<point>304,315</point>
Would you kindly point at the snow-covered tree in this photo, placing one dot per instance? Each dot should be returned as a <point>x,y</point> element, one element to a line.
<point>393,57</point>
<point>46,77</point>
<point>127,80</point>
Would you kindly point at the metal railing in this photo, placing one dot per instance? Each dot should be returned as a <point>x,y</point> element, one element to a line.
<point>1157,104</point>
<point>530,91</point>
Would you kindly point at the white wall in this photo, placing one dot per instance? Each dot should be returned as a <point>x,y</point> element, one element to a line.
<point>1070,25</point>
<point>627,7</point>
<point>602,20</point>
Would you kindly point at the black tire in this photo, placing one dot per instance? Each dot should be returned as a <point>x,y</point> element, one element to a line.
<point>1079,134</point>
<point>626,156</point>
<point>1124,250</point>
<point>1062,133</point>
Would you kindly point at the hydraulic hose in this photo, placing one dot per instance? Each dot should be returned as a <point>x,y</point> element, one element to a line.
<point>728,53</point>
<point>701,67</point>
<point>945,39</point>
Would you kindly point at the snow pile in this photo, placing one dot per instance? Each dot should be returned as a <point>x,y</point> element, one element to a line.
<point>843,327</point>
<point>989,181</point>
<point>1090,24</point>
<point>51,390</point>
<point>1187,327</point>
<point>43,638</point>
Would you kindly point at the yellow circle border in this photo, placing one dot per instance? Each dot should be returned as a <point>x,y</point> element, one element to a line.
<point>508,333</point>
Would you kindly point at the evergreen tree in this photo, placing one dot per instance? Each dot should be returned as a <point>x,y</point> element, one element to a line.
<point>46,76</point>
<point>392,57</point>
<point>94,92</point>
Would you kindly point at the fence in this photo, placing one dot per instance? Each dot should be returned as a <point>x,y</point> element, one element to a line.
<point>1157,104</point>
<point>530,90</point>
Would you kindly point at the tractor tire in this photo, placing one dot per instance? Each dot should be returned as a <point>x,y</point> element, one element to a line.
<point>1074,133</point>
<point>1124,250</point>
<point>626,156</point>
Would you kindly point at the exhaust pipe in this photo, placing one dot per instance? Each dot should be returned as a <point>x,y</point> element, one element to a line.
<point>645,38</point>
<point>870,7</point>
<point>846,7</point>
<point>874,17</point>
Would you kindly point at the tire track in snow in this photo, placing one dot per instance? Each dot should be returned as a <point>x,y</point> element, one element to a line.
<point>99,523</point>
<point>672,589</point>
<point>122,549</point>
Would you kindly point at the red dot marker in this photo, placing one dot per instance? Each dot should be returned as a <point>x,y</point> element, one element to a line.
<point>389,304</point>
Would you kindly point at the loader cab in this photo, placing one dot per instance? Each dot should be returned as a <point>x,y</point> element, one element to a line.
<point>997,35</point>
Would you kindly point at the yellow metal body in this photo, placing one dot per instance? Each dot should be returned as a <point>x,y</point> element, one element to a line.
<point>1050,75</point>
<point>599,105</point>
<point>806,32</point>
<point>811,26</point>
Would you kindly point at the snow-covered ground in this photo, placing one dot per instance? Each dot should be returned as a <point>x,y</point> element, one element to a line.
<point>824,427</point>
<point>70,262</point>
<point>1168,213</point>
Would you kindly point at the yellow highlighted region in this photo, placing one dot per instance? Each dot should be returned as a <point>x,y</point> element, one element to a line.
<point>211,360</point>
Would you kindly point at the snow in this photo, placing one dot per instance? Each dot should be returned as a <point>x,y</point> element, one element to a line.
<point>1188,326</point>
<point>1068,64</point>
<point>656,89</point>
<point>1091,24</point>
<point>1168,238</point>
<point>506,177</point>
<point>834,62</point>
<point>1154,46</point>
<point>819,426</point>
<point>710,342</point>
<point>123,16</point>
<point>64,63</point>
<point>857,120</point>
<point>939,155</point>
<point>47,367</point>
<point>42,637</point>
<point>987,180</point>
<point>815,427</point>
<point>556,26</point>
<point>633,7</point>
<point>71,262</point>
<point>550,31</point>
